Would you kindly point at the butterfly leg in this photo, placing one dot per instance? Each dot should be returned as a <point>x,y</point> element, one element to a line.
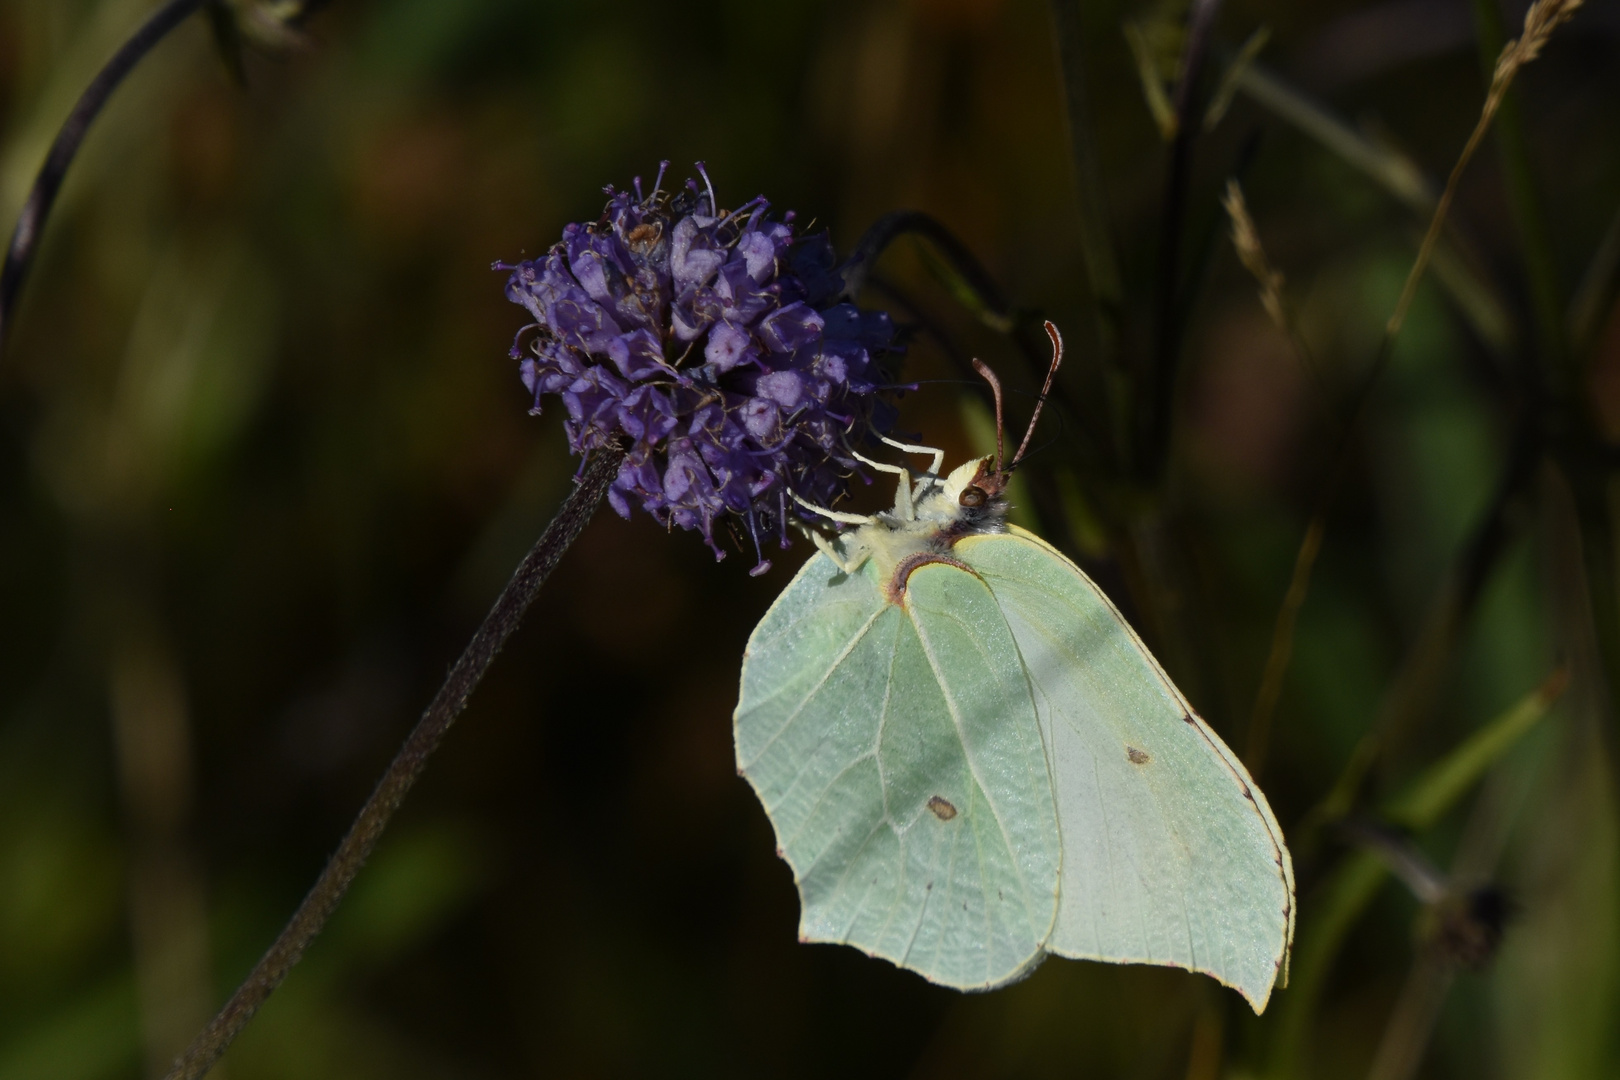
<point>905,500</point>
<point>847,565</point>
<point>831,515</point>
<point>825,544</point>
<point>938,455</point>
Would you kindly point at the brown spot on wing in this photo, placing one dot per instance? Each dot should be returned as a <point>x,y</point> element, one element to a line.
<point>941,808</point>
<point>896,588</point>
<point>1138,757</point>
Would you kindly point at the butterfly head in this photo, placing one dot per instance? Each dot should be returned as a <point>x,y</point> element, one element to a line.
<point>981,483</point>
<point>969,500</point>
<point>930,517</point>
<point>977,494</point>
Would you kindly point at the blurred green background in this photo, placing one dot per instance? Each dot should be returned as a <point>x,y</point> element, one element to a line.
<point>264,463</point>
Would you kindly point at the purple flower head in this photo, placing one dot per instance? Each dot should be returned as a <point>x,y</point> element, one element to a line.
<point>716,346</point>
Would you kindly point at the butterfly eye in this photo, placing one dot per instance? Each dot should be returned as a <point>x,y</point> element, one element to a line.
<point>973,495</point>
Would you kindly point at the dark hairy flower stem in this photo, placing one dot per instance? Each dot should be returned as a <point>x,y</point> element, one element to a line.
<point>406,767</point>
<point>41,197</point>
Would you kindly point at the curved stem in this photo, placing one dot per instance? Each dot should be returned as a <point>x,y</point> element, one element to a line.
<point>41,197</point>
<point>971,285</point>
<point>982,295</point>
<point>403,772</point>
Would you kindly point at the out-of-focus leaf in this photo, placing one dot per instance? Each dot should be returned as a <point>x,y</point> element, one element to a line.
<point>415,881</point>
<point>93,1037</point>
<point>1326,918</point>
<point>194,365</point>
<point>59,896</point>
<point>964,292</point>
<point>1396,172</point>
<point>1445,782</point>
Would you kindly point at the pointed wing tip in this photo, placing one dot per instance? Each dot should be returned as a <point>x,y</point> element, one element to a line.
<point>1258,996</point>
<point>1256,992</point>
<point>1257,1002</point>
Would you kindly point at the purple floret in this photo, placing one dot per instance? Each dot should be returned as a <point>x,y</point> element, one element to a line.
<point>715,346</point>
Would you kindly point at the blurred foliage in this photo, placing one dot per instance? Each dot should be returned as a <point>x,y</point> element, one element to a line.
<point>264,463</point>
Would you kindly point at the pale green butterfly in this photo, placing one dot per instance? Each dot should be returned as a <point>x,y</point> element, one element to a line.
<point>971,761</point>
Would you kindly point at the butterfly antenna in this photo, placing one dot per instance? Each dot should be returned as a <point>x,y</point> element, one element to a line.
<point>995,385</point>
<point>1040,402</point>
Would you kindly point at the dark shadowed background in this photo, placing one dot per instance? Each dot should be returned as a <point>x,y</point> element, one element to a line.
<point>264,463</point>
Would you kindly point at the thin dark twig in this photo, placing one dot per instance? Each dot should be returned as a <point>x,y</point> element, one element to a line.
<point>1056,524</point>
<point>41,197</point>
<point>403,772</point>
<point>1156,387</point>
<point>925,323</point>
<point>974,286</point>
<point>892,226</point>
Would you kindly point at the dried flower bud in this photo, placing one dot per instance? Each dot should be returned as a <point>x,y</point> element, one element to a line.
<point>716,346</point>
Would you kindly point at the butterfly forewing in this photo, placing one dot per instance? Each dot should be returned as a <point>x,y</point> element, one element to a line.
<point>1170,853</point>
<point>912,803</point>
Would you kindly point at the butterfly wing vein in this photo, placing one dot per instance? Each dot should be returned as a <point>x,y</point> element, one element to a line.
<point>918,822</point>
<point>1170,853</point>
<point>998,769</point>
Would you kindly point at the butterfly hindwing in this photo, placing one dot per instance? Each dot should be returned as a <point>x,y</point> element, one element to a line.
<point>906,783</point>
<point>1006,860</point>
<point>1170,853</point>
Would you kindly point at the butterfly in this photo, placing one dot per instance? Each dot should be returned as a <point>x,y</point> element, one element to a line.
<point>972,762</point>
